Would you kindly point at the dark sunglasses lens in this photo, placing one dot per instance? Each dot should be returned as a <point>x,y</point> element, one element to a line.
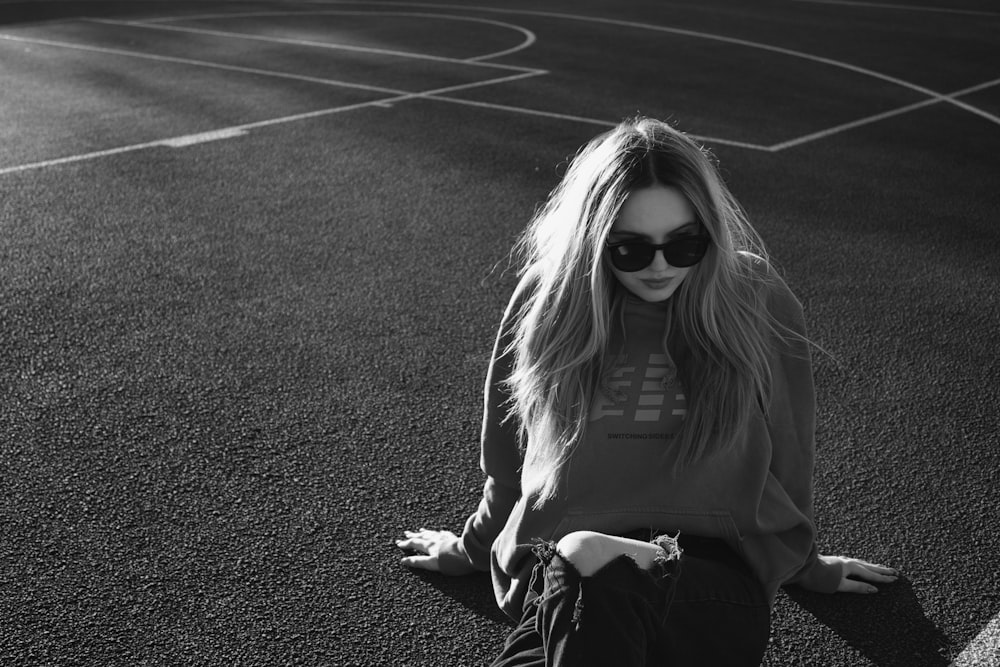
<point>686,252</point>
<point>631,257</point>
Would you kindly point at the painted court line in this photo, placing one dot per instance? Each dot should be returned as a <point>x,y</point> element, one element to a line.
<point>158,22</point>
<point>822,134</point>
<point>984,650</point>
<point>439,94</point>
<point>521,110</point>
<point>589,121</point>
<point>529,36</point>
<point>238,130</point>
<point>78,158</point>
<point>708,36</point>
<point>158,25</point>
<point>192,139</point>
<point>402,97</point>
<point>195,63</point>
<point>908,8</point>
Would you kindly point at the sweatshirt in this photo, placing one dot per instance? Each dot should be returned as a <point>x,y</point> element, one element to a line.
<point>756,496</point>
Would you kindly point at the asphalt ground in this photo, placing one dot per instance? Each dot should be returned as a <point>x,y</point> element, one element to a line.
<point>249,285</point>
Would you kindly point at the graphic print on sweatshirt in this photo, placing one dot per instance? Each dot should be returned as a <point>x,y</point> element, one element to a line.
<point>638,402</point>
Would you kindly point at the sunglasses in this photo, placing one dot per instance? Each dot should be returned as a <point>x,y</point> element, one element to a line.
<point>631,256</point>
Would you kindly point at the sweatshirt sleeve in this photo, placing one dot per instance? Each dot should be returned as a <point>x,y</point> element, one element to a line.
<point>794,451</point>
<point>500,457</point>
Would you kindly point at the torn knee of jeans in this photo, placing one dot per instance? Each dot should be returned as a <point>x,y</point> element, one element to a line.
<point>671,549</point>
<point>545,551</point>
<point>667,563</point>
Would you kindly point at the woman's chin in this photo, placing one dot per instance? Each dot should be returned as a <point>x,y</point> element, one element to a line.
<point>653,293</point>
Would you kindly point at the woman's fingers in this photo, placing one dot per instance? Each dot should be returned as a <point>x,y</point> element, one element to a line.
<point>881,569</point>
<point>422,562</point>
<point>870,572</point>
<point>854,586</point>
<point>859,576</point>
<point>435,550</point>
<point>414,542</point>
<point>423,541</point>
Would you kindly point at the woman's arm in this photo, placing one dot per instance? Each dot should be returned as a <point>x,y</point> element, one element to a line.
<point>794,452</point>
<point>500,458</point>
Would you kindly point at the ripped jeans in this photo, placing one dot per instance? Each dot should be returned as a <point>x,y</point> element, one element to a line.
<point>699,605</point>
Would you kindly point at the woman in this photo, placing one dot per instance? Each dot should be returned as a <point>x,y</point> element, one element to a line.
<point>649,421</point>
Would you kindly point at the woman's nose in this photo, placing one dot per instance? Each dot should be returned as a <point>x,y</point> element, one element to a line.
<point>659,262</point>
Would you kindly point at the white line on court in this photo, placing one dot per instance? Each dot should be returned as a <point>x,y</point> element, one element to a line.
<point>196,63</point>
<point>202,137</point>
<point>590,121</point>
<point>158,24</point>
<point>530,39</point>
<point>908,8</point>
<point>703,35</point>
<point>238,130</point>
<point>174,142</point>
<point>798,141</point>
<point>438,94</point>
<point>529,36</point>
<point>984,650</point>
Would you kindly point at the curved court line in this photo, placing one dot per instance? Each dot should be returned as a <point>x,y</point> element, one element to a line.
<point>709,36</point>
<point>529,37</point>
<point>238,130</point>
<point>158,23</point>
<point>439,94</point>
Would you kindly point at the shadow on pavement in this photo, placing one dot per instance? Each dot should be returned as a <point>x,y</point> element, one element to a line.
<point>891,631</point>
<point>474,592</point>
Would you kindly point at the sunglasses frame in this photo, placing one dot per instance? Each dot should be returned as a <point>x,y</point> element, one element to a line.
<point>705,239</point>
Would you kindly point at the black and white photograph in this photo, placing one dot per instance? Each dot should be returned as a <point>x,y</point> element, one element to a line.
<point>534,333</point>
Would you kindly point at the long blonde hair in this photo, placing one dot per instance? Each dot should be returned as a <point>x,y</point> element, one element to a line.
<point>719,336</point>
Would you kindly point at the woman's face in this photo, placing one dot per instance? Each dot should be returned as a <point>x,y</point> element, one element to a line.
<point>655,214</point>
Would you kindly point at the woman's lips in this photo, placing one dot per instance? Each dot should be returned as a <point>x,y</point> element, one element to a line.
<point>657,283</point>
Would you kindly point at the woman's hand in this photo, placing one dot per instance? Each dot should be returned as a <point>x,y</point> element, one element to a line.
<point>435,550</point>
<point>858,575</point>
